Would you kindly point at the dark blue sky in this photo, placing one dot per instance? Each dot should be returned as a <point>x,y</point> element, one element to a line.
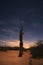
<point>14,14</point>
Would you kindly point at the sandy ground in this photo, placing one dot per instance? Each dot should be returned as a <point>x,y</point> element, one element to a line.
<point>11,58</point>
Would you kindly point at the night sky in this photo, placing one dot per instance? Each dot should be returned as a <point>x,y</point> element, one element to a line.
<point>14,14</point>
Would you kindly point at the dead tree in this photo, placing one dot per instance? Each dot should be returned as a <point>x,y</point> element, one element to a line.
<point>21,42</point>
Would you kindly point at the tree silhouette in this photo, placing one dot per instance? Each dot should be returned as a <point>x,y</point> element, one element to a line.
<point>37,52</point>
<point>39,42</point>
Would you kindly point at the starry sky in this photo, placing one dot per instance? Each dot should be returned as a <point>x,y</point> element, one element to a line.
<point>14,14</point>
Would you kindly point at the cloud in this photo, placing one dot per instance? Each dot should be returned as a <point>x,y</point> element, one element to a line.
<point>13,43</point>
<point>35,24</point>
<point>8,31</point>
<point>28,44</point>
<point>11,23</point>
<point>9,28</point>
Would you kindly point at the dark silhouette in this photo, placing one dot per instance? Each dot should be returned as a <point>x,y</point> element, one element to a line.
<point>21,42</point>
<point>4,49</point>
<point>37,52</point>
<point>30,61</point>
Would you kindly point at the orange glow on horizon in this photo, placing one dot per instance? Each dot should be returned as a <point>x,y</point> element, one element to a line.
<point>12,43</point>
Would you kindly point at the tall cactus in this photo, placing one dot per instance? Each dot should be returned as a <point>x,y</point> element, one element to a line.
<point>21,42</point>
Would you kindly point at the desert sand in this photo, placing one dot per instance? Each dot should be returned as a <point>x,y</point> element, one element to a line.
<point>11,58</point>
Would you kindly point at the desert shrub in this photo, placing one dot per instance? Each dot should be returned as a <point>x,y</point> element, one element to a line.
<point>37,52</point>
